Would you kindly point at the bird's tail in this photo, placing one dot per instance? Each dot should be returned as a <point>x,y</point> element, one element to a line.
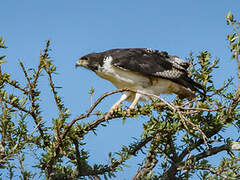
<point>194,86</point>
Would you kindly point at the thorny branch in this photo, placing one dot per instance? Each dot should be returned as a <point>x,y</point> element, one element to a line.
<point>17,106</point>
<point>90,111</point>
<point>132,151</point>
<point>150,161</point>
<point>212,170</point>
<point>210,152</point>
<point>174,108</point>
<point>32,100</point>
<point>2,145</point>
<point>21,166</point>
<point>48,70</point>
<point>17,86</point>
<point>94,124</point>
<point>49,73</point>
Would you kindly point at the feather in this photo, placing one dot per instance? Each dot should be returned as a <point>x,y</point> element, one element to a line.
<point>154,63</point>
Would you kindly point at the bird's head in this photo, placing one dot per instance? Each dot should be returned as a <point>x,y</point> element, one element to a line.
<point>91,61</point>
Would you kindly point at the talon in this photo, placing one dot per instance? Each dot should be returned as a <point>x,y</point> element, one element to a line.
<point>115,106</point>
<point>109,114</point>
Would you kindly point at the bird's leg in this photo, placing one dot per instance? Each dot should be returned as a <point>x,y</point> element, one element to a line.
<point>110,112</point>
<point>134,103</point>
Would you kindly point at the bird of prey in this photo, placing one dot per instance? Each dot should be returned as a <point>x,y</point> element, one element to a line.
<point>142,70</point>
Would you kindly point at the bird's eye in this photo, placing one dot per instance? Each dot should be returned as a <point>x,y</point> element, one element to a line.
<point>84,58</point>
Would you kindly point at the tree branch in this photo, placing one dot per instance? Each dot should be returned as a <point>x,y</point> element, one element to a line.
<point>210,152</point>
<point>150,162</point>
<point>34,108</point>
<point>97,122</point>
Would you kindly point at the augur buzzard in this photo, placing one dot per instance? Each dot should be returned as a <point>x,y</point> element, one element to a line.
<point>143,70</point>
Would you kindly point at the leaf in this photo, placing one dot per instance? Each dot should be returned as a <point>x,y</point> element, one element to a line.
<point>13,99</point>
<point>2,43</point>
<point>1,57</point>
<point>229,17</point>
<point>92,90</point>
<point>53,68</point>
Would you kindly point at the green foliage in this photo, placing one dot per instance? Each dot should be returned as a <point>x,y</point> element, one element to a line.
<point>177,137</point>
<point>234,38</point>
<point>229,168</point>
<point>2,46</point>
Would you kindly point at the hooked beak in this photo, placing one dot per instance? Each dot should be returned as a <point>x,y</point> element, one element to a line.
<point>83,63</point>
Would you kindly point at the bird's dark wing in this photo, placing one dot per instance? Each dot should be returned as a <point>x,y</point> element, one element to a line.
<point>147,62</point>
<point>154,63</point>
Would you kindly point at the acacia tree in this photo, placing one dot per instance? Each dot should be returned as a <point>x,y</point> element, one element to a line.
<point>177,138</point>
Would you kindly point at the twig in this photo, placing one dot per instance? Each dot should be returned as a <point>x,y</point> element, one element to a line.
<point>26,74</point>
<point>90,110</point>
<point>46,67</point>
<point>210,152</point>
<point>17,106</point>
<point>32,100</point>
<point>182,118</point>
<point>36,127</point>
<point>63,135</point>
<point>170,105</point>
<point>225,85</point>
<point>60,109</point>
<point>132,152</point>
<point>18,87</point>
<point>201,109</point>
<point>150,162</point>
<point>213,171</point>
<point>236,54</point>
<point>99,121</point>
<point>4,128</point>
<point>56,98</point>
<point>38,73</point>
<point>21,166</point>
<point>115,164</point>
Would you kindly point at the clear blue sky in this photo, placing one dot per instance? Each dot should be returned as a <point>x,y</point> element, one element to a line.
<point>77,27</point>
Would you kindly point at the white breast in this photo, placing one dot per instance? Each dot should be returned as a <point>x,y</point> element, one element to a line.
<point>122,78</point>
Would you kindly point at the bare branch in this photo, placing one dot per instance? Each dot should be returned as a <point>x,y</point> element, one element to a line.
<point>133,151</point>
<point>210,152</point>
<point>150,162</point>
<point>21,166</point>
